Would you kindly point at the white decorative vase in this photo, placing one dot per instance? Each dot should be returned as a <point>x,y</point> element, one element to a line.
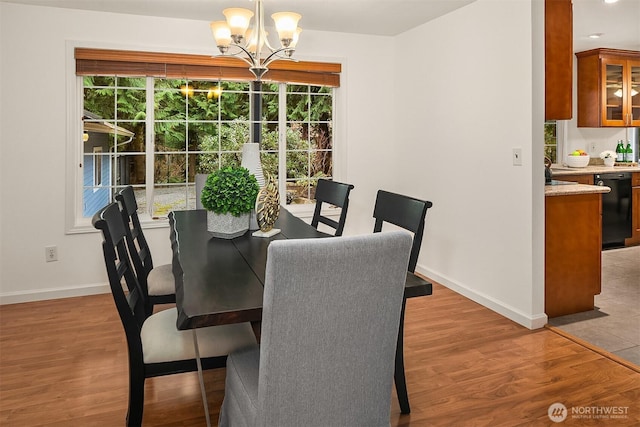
<point>609,161</point>
<point>201,179</point>
<point>227,226</point>
<point>251,161</point>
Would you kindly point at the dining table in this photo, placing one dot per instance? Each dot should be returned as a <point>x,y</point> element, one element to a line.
<point>220,281</point>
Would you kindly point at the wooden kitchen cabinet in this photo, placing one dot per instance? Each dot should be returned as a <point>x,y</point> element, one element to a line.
<point>573,243</point>
<point>608,88</point>
<point>558,59</point>
<point>635,210</point>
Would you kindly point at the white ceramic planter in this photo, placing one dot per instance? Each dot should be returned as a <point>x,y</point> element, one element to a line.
<point>609,161</point>
<point>227,226</point>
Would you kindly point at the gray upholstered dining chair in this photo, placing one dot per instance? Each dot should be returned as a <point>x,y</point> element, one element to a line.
<point>155,346</point>
<point>331,311</point>
<point>158,282</point>
<point>336,194</point>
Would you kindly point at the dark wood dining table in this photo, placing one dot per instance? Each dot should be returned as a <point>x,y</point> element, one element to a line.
<point>220,281</point>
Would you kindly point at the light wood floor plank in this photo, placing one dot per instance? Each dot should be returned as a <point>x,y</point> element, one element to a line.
<point>64,363</point>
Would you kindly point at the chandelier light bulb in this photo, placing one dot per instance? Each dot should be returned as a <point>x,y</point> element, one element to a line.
<point>286,25</point>
<point>221,34</point>
<point>238,20</point>
<point>252,41</point>
<point>292,46</point>
<point>296,36</point>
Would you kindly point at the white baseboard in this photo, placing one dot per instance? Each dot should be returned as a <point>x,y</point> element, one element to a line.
<point>535,321</point>
<point>53,293</point>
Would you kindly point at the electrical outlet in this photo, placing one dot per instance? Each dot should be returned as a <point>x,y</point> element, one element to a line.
<point>51,253</point>
<point>517,157</point>
<point>593,148</point>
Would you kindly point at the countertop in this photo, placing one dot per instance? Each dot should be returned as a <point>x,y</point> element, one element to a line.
<point>559,170</point>
<point>573,188</point>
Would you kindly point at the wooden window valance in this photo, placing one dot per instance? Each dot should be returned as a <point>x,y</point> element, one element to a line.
<point>187,66</point>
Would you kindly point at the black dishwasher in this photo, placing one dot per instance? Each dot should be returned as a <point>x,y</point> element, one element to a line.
<point>616,208</point>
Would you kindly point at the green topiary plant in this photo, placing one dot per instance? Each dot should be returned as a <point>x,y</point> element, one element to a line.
<point>230,190</point>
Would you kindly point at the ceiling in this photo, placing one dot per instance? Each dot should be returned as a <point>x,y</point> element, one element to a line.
<point>377,17</point>
<point>619,23</point>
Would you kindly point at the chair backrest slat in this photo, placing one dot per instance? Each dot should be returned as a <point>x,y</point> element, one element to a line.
<point>136,242</point>
<point>132,305</point>
<point>403,211</point>
<point>334,193</point>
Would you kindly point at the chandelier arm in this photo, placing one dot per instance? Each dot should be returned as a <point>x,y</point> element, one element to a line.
<point>249,60</point>
<point>285,57</point>
<point>266,42</point>
<point>274,55</point>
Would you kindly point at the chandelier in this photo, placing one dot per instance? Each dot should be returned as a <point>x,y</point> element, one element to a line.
<point>234,37</point>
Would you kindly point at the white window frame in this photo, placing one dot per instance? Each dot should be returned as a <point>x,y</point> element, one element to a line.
<point>75,222</point>
<point>97,168</point>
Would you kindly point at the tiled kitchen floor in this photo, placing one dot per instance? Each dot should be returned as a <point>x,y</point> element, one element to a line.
<point>615,323</point>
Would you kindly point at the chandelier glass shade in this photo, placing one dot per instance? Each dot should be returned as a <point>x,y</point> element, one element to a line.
<point>236,37</point>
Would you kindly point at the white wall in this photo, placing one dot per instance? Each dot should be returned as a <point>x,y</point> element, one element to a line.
<point>470,105</point>
<point>448,139</point>
<point>33,135</point>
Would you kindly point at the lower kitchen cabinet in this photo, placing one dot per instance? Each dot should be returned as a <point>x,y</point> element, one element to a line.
<point>635,211</point>
<point>573,244</point>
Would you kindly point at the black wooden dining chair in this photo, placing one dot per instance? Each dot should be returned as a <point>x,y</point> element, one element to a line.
<point>408,213</point>
<point>157,282</point>
<point>336,194</point>
<point>155,346</point>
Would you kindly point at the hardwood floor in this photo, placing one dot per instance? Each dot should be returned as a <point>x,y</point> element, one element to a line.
<point>64,363</point>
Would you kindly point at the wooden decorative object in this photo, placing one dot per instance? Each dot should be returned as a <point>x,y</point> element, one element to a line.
<point>267,208</point>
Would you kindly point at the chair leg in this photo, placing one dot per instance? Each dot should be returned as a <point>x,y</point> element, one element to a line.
<point>401,384</point>
<point>136,397</point>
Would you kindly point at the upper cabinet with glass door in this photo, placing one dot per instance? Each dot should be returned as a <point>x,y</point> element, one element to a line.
<point>608,88</point>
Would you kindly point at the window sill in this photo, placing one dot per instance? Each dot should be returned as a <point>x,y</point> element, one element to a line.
<point>85,226</point>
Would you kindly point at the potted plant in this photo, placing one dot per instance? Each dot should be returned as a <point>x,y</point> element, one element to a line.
<point>228,196</point>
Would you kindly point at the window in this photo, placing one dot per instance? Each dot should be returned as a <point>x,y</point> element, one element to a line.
<point>199,126</point>
<point>157,119</point>
<point>551,140</point>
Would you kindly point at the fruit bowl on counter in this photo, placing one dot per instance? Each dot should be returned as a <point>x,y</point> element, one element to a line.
<point>578,159</point>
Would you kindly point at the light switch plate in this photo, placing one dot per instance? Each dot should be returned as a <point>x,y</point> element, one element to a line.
<point>517,157</point>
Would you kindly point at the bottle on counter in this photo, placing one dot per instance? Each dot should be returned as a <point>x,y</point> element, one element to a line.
<point>628,153</point>
<point>620,151</point>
